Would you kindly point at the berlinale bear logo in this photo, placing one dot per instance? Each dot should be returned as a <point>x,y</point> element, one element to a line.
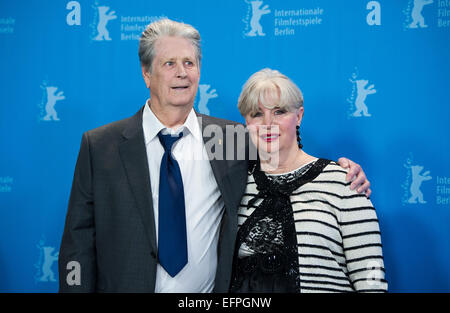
<point>257,12</point>
<point>52,98</point>
<point>47,258</point>
<point>414,179</point>
<point>413,13</point>
<point>417,179</point>
<point>360,91</point>
<point>104,18</point>
<point>416,13</point>
<point>205,95</point>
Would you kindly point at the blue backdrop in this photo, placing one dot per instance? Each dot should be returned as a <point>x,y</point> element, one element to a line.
<point>374,76</point>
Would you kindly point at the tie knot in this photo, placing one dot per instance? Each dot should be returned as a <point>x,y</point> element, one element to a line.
<point>167,141</point>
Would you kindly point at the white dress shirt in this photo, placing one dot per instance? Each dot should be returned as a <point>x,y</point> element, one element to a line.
<point>203,202</point>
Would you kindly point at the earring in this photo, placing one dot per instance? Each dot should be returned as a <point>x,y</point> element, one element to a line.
<point>299,140</point>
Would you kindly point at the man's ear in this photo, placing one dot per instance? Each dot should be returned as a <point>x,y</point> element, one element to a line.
<point>146,76</point>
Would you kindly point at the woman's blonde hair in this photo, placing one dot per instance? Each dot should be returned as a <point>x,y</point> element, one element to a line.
<point>271,89</point>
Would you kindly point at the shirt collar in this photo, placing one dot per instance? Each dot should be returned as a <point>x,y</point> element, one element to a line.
<point>152,125</point>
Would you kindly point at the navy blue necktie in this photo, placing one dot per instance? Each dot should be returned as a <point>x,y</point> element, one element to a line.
<point>172,242</point>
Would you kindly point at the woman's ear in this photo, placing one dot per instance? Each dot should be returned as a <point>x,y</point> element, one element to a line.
<point>300,115</point>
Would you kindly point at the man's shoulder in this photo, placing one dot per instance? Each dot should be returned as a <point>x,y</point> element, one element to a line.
<point>211,120</point>
<point>116,129</point>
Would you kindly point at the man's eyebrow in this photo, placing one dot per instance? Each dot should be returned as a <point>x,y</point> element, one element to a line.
<point>165,59</point>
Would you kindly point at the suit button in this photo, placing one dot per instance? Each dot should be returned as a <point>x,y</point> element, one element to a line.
<point>153,254</point>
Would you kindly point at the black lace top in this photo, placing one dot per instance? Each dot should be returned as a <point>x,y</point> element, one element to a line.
<point>266,246</point>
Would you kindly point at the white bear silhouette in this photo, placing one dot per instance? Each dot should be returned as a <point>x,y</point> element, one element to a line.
<point>49,258</point>
<point>256,17</point>
<point>416,13</point>
<point>104,18</point>
<point>51,101</point>
<point>417,180</point>
<point>361,96</point>
<point>204,98</point>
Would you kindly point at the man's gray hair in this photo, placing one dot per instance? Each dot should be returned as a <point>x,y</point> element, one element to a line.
<point>271,89</point>
<point>162,28</point>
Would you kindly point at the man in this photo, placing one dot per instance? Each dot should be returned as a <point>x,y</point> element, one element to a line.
<point>128,178</point>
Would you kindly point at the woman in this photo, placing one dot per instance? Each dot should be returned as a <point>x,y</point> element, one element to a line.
<point>301,228</point>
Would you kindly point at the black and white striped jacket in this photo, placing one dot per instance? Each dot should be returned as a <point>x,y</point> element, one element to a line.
<point>338,236</point>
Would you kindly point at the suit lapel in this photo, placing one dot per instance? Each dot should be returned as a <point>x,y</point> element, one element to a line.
<point>134,158</point>
<point>218,166</point>
<point>230,175</point>
<point>231,178</point>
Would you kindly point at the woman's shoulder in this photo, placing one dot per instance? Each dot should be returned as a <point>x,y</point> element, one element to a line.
<point>333,170</point>
<point>333,176</point>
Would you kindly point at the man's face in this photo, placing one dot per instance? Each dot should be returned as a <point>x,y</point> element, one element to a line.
<point>175,73</point>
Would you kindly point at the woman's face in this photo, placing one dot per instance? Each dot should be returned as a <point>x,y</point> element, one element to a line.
<point>274,130</point>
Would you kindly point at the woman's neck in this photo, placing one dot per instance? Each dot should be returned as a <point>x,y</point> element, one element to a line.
<point>278,163</point>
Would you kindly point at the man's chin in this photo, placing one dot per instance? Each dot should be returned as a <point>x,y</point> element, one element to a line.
<point>188,103</point>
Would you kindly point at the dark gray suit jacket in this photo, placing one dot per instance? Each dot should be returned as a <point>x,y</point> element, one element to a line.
<point>110,227</point>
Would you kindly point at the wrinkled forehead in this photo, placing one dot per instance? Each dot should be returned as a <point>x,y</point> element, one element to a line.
<point>174,47</point>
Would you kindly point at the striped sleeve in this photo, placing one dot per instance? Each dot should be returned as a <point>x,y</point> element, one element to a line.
<point>361,241</point>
